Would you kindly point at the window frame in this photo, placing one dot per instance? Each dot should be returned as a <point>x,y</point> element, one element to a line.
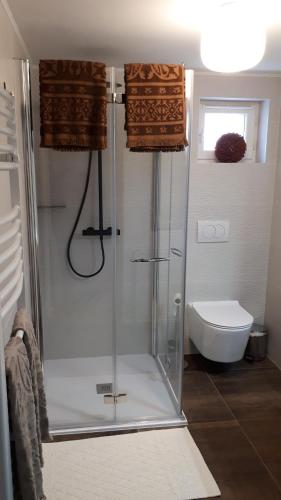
<point>251,111</point>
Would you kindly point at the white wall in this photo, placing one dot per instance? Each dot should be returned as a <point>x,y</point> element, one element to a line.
<point>11,43</point>
<point>78,313</point>
<point>273,303</point>
<point>10,48</point>
<point>241,193</point>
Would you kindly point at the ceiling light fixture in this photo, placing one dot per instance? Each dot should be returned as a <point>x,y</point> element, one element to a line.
<point>233,38</point>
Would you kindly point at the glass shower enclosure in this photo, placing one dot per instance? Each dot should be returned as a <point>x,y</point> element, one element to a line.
<point>112,345</point>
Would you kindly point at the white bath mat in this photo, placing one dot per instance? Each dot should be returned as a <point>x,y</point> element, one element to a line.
<point>152,465</point>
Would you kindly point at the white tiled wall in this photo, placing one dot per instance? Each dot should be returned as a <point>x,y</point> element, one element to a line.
<point>78,313</point>
<point>241,193</point>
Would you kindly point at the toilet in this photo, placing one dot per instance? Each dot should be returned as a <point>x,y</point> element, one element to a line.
<point>220,329</point>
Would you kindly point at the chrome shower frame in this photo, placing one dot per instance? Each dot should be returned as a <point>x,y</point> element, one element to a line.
<point>31,203</point>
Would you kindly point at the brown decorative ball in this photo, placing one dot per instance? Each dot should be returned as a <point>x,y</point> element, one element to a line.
<point>230,148</point>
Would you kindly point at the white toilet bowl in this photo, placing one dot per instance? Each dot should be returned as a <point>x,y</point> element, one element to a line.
<point>220,329</point>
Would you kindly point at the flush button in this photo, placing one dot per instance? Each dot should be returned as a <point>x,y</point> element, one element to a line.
<point>209,231</point>
<point>213,231</point>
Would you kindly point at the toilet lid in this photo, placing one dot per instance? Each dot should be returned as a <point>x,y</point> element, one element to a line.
<point>228,313</point>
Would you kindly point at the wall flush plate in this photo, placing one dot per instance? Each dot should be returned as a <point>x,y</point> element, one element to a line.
<point>212,231</point>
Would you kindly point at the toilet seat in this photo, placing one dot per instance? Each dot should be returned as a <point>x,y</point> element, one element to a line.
<point>226,314</point>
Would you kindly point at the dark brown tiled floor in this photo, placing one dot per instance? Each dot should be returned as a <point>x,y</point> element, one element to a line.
<point>234,414</point>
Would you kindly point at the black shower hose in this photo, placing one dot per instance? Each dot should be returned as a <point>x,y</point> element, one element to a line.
<point>82,203</point>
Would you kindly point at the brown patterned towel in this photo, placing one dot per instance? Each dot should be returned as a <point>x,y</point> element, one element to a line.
<point>23,322</point>
<point>25,447</point>
<point>155,107</point>
<point>72,105</point>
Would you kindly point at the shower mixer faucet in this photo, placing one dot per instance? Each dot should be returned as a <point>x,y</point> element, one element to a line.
<point>91,231</point>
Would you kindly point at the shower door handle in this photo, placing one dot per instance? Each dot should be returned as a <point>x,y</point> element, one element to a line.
<point>152,259</point>
<point>176,251</point>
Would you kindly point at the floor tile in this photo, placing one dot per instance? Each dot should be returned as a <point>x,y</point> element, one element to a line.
<point>235,465</point>
<point>266,438</point>
<point>194,362</point>
<point>252,394</point>
<point>201,401</point>
<point>266,364</point>
<point>198,362</point>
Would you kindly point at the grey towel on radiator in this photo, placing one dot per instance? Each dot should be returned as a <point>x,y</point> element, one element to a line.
<point>22,322</point>
<point>26,460</point>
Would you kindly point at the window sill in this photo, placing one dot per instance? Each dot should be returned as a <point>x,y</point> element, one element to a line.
<point>213,161</point>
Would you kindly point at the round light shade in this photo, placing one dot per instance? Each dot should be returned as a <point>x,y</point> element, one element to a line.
<point>233,38</point>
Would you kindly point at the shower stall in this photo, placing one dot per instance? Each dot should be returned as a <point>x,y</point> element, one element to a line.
<point>111,345</point>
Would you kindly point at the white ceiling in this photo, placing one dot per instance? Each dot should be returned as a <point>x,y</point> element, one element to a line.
<point>129,30</point>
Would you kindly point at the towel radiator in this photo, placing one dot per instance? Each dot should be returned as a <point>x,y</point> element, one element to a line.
<point>11,269</point>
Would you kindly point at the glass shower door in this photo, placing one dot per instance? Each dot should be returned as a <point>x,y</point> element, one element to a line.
<point>76,312</point>
<point>139,380</point>
<point>171,229</point>
<point>150,266</point>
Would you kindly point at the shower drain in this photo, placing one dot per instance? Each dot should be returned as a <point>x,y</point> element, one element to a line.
<point>104,388</point>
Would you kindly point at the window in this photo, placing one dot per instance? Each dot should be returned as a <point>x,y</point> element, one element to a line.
<point>218,117</point>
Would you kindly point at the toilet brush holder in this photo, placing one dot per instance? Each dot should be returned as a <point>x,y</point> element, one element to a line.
<point>256,349</point>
